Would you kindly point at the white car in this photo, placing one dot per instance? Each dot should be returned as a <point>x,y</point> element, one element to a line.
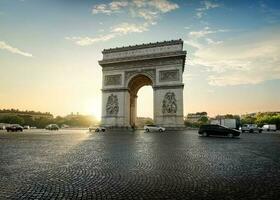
<point>149,128</point>
<point>269,127</point>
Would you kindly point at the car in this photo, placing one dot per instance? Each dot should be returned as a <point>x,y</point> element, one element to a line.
<point>97,129</point>
<point>14,128</point>
<point>2,127</point>
<point>269,127</point>
<point>26,127</point>
<point>151,127</point>
<point>215,129</point>
<point>52,127</point>
<point>251,128</point>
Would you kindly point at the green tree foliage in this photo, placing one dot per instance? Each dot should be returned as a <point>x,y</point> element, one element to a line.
<point>203,120</point>
<point>43,121</point>
<point>248,120</point>
<point>262,118</point>
<point>12,119</point>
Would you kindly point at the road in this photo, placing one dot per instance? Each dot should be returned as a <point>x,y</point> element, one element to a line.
<point>75,164</point>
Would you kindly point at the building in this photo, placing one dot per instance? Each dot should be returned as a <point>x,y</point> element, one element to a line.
<point>195,117</point>
<point>34,115</point>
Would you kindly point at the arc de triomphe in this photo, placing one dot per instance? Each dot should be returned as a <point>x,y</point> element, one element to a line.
<point>127,69</point>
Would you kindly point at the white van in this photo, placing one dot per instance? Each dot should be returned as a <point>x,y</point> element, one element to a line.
<point>269,127</point>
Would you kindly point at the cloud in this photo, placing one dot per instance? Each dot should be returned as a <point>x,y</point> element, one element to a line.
<point>149,10</point>
<point>163,5</point>
<point>210,41</point>
<point>110,8</point>
<point>5,46</point>
<point>249,59</point>
<point>118,30</point>
<point>126,28</point>
<point>206,31</point>
<point>146,9</point>
<point>85,41</point>
<point>198,39</point>
<point>206,5</point>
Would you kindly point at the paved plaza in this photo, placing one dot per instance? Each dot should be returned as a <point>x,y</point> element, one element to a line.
<point>74,164</point>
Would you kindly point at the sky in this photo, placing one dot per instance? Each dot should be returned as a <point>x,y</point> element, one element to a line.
<point>49,52</point>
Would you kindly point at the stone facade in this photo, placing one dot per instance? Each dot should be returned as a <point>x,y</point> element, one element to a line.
<point>127,69</point>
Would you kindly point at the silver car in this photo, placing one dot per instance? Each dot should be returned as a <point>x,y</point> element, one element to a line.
<point>251,128</point>
<point>149,128</point>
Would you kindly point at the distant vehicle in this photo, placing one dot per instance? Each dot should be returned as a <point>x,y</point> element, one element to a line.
<point>269,127</point>
<point>14,128</point>
<point>26,127</point>
<point>33,127</point>
<point>52,127</point>
<point>2,127</point>
<point>149,128</point>
<point>215,129</point>
<point>97,129</point>
<point>65,126</point>
<point>251,128</point>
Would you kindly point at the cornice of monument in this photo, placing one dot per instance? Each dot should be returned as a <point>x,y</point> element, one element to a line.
<point>143,46</point>
<point>182,54</point>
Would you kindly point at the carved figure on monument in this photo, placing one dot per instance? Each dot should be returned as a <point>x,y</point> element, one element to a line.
<point>112,106</point>
<point>169,104</point>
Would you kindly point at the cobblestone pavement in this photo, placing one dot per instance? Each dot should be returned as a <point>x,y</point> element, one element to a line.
<point>74,164</point>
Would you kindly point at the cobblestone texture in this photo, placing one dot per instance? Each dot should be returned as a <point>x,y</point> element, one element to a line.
<point>74,164</point>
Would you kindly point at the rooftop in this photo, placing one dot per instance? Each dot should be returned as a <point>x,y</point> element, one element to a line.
<point>142,46</point>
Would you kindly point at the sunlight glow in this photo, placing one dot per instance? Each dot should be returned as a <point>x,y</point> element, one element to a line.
<point>145,102</point>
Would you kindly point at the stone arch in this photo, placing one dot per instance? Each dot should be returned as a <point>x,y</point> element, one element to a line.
<point>126,69</point>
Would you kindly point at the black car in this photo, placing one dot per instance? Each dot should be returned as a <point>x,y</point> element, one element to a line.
<point>14,127</point>
<point>213,129</point>
<point>97,129</point>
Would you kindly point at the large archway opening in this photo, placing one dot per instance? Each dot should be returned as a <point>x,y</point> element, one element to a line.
<point>145,106</point>
<point>134,85</point>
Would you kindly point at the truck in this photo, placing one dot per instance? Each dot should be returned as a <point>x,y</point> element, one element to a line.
<point>269,127</point>
<point>229,123</point>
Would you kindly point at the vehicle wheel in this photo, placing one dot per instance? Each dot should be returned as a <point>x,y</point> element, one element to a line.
<point>268,130</point>
<point>160,130</point>
<point>230,135</point>
<point>205,134</point>
<point>251,131</point>
<point>103,130</point>
<point>147,130</point>
<point>243,131</point>
<point>260,131</point>
<point>96,130</point>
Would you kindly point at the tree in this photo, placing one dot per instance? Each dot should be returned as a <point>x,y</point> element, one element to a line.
<point>248,120</point>
<point>12,119</point>
<point>203,120</point>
